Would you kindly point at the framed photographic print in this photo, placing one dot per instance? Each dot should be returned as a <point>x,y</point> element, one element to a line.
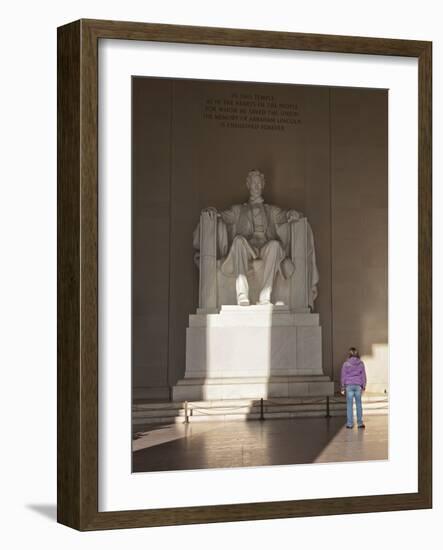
<point>244,274</point>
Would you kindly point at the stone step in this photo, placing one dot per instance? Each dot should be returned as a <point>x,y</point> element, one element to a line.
<point>225,411</point>
<point>145,405</point>
<point>147,413</point>
<point>166,410</point>
<point>249,416</point>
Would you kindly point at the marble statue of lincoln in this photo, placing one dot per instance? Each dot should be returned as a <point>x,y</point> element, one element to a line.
<point>254,230</point>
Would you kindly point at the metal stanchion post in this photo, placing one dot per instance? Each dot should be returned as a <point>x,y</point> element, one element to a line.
<point>328,414</point>
<point>262,416</point>
<point>186,413</point>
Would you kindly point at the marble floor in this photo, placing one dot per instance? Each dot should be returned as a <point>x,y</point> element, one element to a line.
<point>254,443</point>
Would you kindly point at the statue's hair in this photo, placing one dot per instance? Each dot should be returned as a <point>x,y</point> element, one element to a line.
<point>255,172</point>
<point>353,352</point>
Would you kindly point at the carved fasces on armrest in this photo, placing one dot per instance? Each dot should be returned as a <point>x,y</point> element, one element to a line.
<point>222,245</point>
<point>299,295</point>
<point>208,259</point>
<point>304,289</point>
<point>208,233</point>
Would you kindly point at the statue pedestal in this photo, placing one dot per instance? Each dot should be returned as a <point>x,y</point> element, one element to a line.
<point>254,351</point>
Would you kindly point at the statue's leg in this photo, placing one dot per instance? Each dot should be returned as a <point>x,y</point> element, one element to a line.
<point>241,254</point>
<point>242,289</point>
<point>272,254</point>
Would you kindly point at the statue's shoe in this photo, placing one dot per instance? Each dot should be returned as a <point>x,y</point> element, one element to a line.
<point>243,301</point>
<point>264,303</point>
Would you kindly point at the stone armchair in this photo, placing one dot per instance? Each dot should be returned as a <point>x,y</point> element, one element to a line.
<point>298,291</point>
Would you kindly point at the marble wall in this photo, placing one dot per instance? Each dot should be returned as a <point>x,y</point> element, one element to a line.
<point>329,161</point>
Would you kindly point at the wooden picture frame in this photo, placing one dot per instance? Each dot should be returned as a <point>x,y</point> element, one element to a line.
<point>77,479</point>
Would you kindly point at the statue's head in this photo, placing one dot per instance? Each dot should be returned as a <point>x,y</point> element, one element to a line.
<point>255,182</point>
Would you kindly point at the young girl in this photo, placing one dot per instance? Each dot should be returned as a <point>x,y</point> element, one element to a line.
<point>353,381</point>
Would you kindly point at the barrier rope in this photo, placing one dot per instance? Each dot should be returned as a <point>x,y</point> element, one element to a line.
<point>269,402</point>
<point>319,402</point>
<point>258,407</point>
<point>201,409</point>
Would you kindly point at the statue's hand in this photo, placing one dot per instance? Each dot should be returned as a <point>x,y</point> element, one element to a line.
<point>211,210</point>
<point>197,259</point>
<point>314,291</point>
<point>293,216</point>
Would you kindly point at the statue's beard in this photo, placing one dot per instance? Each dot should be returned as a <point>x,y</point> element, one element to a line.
<point>255,197</point>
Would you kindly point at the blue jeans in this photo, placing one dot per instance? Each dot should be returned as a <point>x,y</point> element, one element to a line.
<point>353,391</point>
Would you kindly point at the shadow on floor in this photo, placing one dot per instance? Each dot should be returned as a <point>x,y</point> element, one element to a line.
<point>259,443</point>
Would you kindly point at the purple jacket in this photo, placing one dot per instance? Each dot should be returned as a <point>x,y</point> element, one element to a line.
<point>353,372</point>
